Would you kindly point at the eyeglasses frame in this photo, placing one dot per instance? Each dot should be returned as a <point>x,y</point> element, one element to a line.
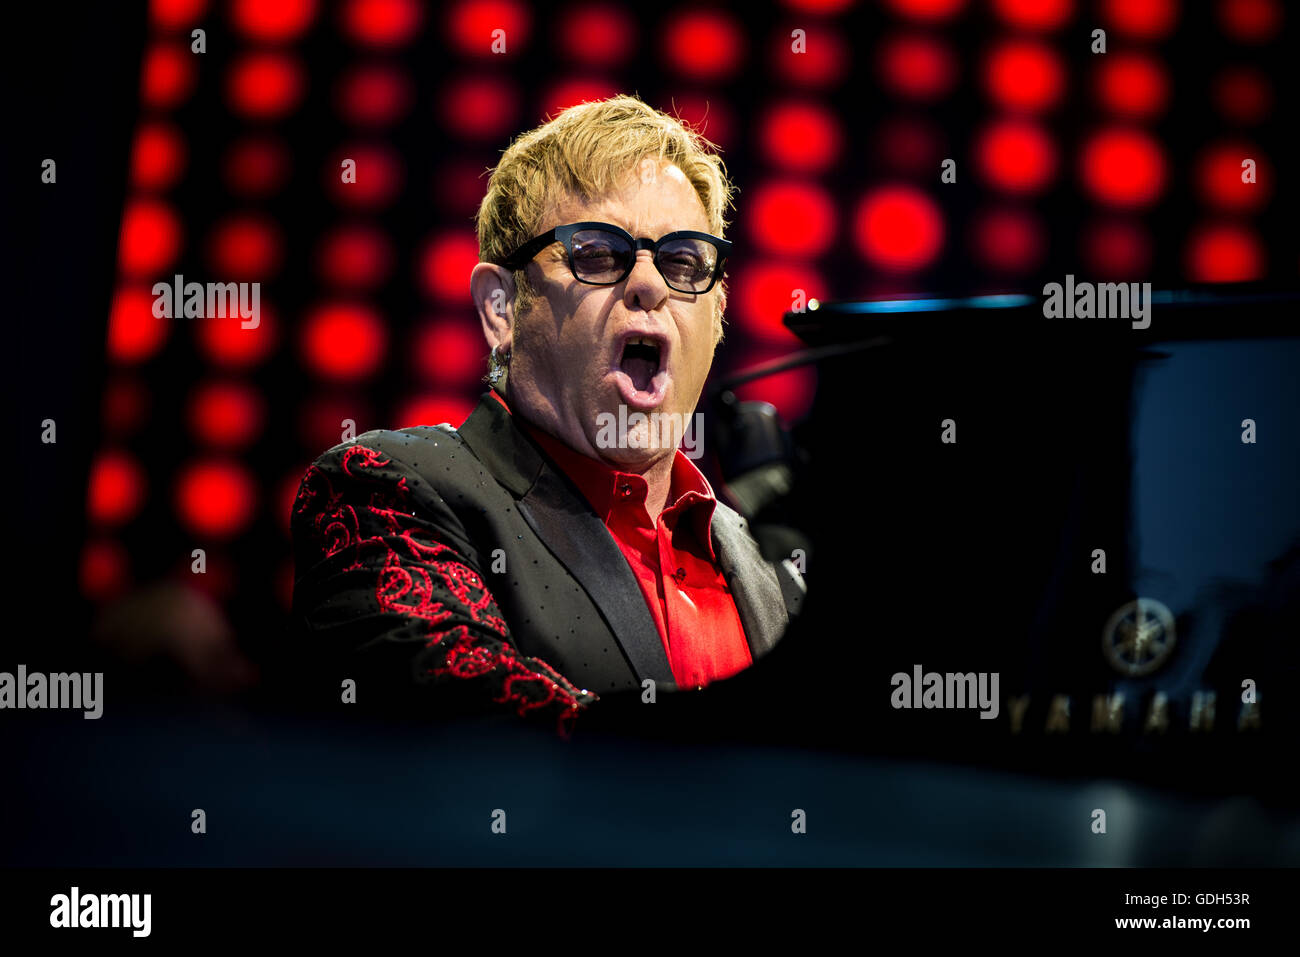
<point>564,234</point>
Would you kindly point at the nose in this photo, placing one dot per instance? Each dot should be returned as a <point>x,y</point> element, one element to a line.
<point>645,287</point>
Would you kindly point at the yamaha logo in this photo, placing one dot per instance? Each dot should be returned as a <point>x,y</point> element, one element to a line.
<point>1139,637</point>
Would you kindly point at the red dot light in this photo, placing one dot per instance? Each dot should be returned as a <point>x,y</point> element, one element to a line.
<point>906,144</point>
<point>1219,174</point>
<point>226,414</point>
<point>793,219</point>
<point>823,62</point>
<point>157,156</point>
<point>215,498</point>
<point>246,247</point>
<point>116,488</point>
<point>256,167</point>
<point>899,228</point>
<point>473,26</point>
<point>1024,75</point>
<point>1123,167</point>
<point>176,14</point>
<point>450,353</point>
<point>104,570</point>
<point>125,405</point>
<point>150,238</point>
<point>228,345</point>
<point>1034,14</point>
<point>1009,240</point>
<point>764,292</point>
<point>1225,253</point>
<point>1132,84</point>
<point>321,420</point>
<point>1145,20</point>
<point>265,85</point>
<point>382,23</point>
<point>375,95</point>
<point>343,342</point>
<point>374,181</point>
<point>1016,156</point>
<point>704,45</point>
<point>918,66</point>
<point>134,332</point>
<point>480,107</point>
<point>168,75</point>
<point>446,264</point>
<point>272,21</point>
<point>600,35</point>
<point>1250,21</point>
<point>802,137</point>
<point>1243,94</point>
<point>356,257</point>
<point>1116,249</point>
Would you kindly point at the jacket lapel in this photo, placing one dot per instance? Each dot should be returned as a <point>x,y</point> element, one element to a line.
<point>571,531</point>
<point>752,580</point>
<point>578,538</point>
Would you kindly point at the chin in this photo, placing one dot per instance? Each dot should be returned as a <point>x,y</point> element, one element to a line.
<point>628,460</point>
<point>637,436</point>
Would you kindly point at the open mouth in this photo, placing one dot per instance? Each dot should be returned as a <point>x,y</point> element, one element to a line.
<point>644,375</point>
<point>640,362</point>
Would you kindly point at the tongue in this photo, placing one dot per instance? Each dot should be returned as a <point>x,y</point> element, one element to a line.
<point>640,371</point>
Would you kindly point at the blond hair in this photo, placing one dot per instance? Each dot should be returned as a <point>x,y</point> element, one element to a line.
<point>586,151</point>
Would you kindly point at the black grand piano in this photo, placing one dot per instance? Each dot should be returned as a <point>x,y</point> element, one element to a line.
<point>1106,517</point>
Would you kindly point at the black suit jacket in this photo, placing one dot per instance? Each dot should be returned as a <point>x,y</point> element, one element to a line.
<point>465,559</point>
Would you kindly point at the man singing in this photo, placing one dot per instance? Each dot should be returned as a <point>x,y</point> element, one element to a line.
<point>540,556</point>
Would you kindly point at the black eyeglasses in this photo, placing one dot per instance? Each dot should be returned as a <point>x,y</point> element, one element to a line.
<point>602,254</point>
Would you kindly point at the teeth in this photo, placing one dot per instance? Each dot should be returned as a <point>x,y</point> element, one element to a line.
<point>641,341</point>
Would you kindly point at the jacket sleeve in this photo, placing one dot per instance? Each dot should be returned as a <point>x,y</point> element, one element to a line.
<point>386,579</point>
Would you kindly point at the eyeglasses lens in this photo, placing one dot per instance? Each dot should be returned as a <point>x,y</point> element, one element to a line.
<point>602,257</point>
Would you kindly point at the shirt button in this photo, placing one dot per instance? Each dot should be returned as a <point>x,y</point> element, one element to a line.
<point>680,575</point>
<point>625,490</point>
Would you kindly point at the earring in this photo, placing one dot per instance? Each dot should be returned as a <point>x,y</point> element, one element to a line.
<point>499,363</point>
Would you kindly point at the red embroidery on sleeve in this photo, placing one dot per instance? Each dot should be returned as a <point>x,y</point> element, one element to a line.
<point>406,586</point>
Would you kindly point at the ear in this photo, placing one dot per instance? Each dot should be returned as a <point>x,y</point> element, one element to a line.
<point>493,289</point>
<point>719,316</point>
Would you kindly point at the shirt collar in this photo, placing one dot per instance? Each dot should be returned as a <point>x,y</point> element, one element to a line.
<point>605,486</point>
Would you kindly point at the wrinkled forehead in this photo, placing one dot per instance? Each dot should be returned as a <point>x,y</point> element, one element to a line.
<point>651,198</point>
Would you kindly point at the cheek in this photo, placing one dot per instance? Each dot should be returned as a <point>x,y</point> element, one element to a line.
<point>579,331</point>
<point>697,344</point>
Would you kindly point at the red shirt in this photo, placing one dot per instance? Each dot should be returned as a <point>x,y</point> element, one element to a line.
<point>673,559</point>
